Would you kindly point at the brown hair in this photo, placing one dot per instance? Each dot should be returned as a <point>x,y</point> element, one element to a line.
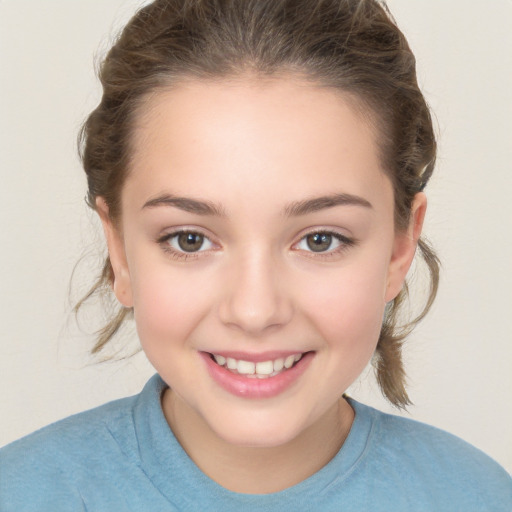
<point>351,45</point>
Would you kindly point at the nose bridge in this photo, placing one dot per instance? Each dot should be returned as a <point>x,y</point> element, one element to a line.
<point>256,296</point>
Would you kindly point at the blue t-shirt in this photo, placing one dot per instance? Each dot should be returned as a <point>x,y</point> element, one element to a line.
<point>124,457</point>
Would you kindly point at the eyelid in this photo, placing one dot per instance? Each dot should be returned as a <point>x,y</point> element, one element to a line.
<point>176,230</point>
<point>163,241</point>
<point>345,242</point>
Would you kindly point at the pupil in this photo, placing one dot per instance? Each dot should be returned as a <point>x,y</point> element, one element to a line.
<point>190,242</point>
<point>319,242</point>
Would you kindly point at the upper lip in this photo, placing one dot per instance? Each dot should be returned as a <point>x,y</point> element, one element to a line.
<point>256,357</point>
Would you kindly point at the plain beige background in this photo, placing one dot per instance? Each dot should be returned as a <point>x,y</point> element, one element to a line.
<point>458,360</point>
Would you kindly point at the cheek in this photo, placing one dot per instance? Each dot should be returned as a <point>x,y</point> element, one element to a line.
<point>168,305</point>
<point>347,306</point>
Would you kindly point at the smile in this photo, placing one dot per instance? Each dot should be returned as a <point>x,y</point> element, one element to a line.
<point>257,376</point>
<point>259,370</point>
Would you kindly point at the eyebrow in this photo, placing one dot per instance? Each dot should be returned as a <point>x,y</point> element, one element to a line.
<point>187,204</point>
<point>321,203</point>
<point>294,209</point>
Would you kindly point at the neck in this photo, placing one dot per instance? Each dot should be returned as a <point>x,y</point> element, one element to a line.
<point>246,469</point>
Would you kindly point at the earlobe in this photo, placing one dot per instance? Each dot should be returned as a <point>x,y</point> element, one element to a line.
<point>405,247</point>
<point>122,284</point>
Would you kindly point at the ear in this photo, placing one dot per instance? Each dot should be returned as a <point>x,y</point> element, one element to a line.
<point>122,284</point>
<point>404,247</point>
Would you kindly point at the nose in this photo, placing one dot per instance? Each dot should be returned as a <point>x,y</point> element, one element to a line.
<point>254,297</point>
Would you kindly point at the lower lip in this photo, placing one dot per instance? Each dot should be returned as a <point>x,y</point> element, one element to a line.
<point>247,387</point>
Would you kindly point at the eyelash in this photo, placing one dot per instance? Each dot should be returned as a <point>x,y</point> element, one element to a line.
<point>344,241</point>
<point>345,244</point>
<point>164,242</point>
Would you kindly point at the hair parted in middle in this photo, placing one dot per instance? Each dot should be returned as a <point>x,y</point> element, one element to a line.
<point>351,46</point>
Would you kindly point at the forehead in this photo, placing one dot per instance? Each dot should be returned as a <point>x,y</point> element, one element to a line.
<point>235,138</point>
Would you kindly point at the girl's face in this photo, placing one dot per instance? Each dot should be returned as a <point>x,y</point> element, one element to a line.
<point>257,229</point>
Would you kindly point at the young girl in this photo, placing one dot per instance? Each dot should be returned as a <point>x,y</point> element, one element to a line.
<point>258,167</point>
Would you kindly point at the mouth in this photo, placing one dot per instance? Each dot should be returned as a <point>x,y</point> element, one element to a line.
<point>260,369</point>
<point>257,376</point>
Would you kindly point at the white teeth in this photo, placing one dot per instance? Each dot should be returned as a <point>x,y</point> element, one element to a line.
<point>260,370</point>
<point>278,364</point>
<point>231,363</point>
<point>288,362</point>
<point>220,360</point>
<point>265,368</point>
<point>245,367</point>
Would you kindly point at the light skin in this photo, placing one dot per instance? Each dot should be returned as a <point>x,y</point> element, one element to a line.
<point>272,268</point>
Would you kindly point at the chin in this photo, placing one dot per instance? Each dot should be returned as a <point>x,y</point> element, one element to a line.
<point>257,432</point>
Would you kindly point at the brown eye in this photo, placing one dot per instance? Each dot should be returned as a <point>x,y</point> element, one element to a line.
<point>184,243</point>
<point>319,242</point>
<point>324,243</point>
<point>190,242</point>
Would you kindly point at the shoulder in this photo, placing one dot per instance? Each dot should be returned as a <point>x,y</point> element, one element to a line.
<point>433,445</point>
<point>61,437</point>
<point>49,466</point>
<point>427,458</point>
